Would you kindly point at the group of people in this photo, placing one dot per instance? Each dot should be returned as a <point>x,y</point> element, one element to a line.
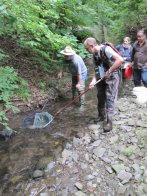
<point>107,65</point>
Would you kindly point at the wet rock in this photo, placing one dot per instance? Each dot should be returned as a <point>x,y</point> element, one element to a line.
<point>43,162</point>
<point>7,133</point>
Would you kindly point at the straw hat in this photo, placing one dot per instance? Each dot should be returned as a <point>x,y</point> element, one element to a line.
<point>68,51</point>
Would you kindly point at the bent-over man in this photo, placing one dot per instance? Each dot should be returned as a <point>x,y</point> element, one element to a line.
<point>78,70</point>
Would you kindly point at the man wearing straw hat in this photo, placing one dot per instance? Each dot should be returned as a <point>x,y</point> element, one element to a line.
<point>78,70</point>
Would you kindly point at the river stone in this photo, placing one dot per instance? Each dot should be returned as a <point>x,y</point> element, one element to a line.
<point>136,167</point>
<point>77,142</point>
<point>79,185</point>
<point>80,193</point>
<point>121,190</point>
<point>131,123</point>
<point>50,166</point>
<point>114,139</point>
<point>141,124</point>
<point>109,170</point>
<point>89,177</point>
<point>126,128</point>
<point>38,174</point>
<point>106,160</point>
<point>118,167</point>
<point>138,177</point>
<point>124,176</point>
<point>95,136</point>
<point>94,127</point>
<point>134,140</point>
<point>99,152</point>
<point>84,166</point>
<point>66,155</point>
<point>96,143</point>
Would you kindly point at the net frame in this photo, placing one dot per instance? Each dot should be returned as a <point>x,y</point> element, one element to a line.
<point>37,120</point>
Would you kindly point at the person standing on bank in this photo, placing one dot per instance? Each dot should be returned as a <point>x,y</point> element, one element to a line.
<point>78,70</point>
<point>108,87</point>
<point>125,50</point>
<point>139,58</point>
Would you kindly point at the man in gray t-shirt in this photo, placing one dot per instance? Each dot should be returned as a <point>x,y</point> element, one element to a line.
<point>107,59</point>
<point>78,71</point>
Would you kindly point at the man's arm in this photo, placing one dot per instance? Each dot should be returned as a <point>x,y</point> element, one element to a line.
<point>118,60</point>
<point>79,77</point>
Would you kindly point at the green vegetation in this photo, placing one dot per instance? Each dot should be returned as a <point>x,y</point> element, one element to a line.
<point>10,85</point>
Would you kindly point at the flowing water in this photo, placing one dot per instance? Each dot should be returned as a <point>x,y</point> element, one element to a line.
<point>21,155</point>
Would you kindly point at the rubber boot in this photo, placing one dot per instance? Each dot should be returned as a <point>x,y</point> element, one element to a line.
<point>107,126</point>
<point>101,116</point>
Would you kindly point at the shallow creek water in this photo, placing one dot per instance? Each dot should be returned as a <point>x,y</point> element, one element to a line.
<point>20,155</point>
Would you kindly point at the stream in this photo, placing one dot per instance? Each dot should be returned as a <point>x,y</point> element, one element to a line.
<point>22,154</point>
<point>73,157</point>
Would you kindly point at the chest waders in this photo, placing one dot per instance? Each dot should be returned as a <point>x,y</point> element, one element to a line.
<point>106,91</point>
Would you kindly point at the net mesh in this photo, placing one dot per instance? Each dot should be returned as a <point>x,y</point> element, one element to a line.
<point>38,120</point>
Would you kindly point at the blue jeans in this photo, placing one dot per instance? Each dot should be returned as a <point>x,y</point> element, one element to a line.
<point>140,75</point>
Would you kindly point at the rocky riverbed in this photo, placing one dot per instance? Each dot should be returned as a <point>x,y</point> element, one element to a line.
<point>94,163</point>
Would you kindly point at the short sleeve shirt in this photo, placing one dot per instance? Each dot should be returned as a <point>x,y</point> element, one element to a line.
<point>76,65</point>
<point>109,52</point>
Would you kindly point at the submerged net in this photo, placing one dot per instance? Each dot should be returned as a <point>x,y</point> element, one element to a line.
<point>38,120</point>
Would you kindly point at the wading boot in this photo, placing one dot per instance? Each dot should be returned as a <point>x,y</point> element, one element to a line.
<point>101,116</point>
<point>107,126</point>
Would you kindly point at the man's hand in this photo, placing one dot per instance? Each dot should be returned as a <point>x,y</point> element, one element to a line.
<point>92,83</point>
<point>78,85</point>
<point>108,73</point>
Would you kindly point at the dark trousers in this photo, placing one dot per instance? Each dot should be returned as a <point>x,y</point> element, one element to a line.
<point>140,75</point>
<point>79,91</point>
<point>107,94</point>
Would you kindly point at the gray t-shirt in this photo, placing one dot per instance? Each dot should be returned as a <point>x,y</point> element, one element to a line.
<point>107,62</point>
<point>77,66</point>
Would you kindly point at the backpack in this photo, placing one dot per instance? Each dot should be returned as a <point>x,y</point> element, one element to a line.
<point>102,52</point>
<point>103,62</point>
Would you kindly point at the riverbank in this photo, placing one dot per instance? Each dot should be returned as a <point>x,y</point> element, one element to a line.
<point>94,163</point>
